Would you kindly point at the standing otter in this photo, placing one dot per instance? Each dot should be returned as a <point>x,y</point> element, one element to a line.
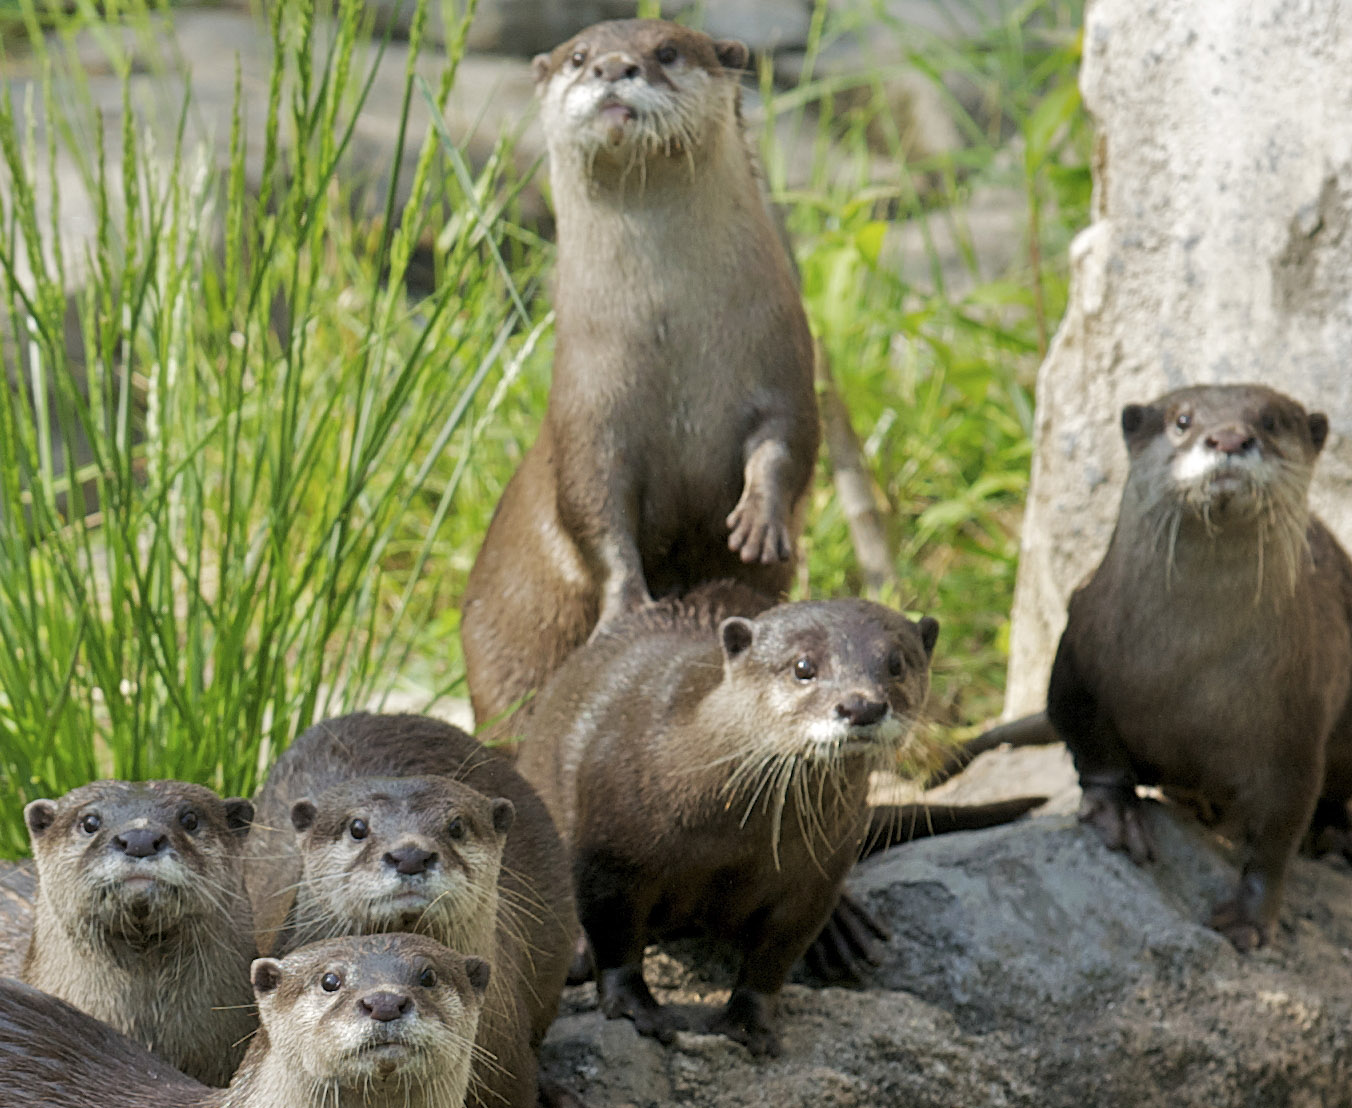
<point>382,823</point>
<point>1212,648</point>
<point>710,773</point>
<point>682,428</point>
<point>384,1022</point>
<point>141,917</point>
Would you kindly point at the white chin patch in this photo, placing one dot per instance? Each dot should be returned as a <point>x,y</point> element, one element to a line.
<point>839,732</point>
<point>1201,462</point>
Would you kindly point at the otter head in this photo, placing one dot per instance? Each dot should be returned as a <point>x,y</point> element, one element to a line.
<point>401,854</point>
<point>1224,453</point>
<point>638,91</point>
<point>830,678</point>
<point>391,1015</point>
<point>137,861</point>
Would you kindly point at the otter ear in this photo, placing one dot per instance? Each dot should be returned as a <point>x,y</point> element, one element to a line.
<point>39,815</point>
<point>1319,430</point>
<point>504,815</point>
<point>929,634</point>
<point>239,814</point>
<point>303,815</point>
<point>732,54</point>
<point>477,970</point>
<point>266,974</point>
<point>1141,421</point>
<point>737,635</point>
<point>540,67</point>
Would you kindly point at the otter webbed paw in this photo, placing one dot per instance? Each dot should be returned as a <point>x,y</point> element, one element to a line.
<point>848,944</point>
<point>1114,811</point>
<point>757,532</point>
<point>746,1020</point>
<point>622,993</point>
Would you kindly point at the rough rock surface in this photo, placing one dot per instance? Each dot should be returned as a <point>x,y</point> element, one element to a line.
<point>1028,967</point>
<point>1220,251</point>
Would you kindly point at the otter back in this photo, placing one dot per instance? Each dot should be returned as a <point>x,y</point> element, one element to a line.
<point>682,428</point>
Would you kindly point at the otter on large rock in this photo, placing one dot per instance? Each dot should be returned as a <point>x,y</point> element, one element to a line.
<point>682,428</point>
<point>376,1022</point>
<point>710,772</point>
<point>141,916</point>
<point>1212,648</point>
<point>375,823</point>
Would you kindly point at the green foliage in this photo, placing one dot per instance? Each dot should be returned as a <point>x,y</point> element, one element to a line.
<point>220,522</point>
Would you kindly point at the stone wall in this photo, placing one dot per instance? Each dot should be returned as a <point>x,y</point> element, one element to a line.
<point>1220,251</point>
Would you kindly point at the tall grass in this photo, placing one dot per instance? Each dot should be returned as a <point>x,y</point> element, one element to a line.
<point>215,504</point>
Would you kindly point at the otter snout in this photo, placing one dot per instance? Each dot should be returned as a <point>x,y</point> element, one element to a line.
<point>141,842</point>
<point>616,66</point>
<point>409,859</point>
<point>386,1005</point>
<point>861,711</point>
<point>1232,439</point>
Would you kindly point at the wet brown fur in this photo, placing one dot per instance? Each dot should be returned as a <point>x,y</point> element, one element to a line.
<point>1212,648</point>
<point>682,427</point>
<point>673,751</point>
<point>535,921</point>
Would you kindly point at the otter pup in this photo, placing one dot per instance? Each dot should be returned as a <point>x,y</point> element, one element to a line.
<point>1212,648</point>
<point>383,1022</point>
<point>710,773</point>
<point>681,429</point>
<point>375,823</point>
<point>141,916</point>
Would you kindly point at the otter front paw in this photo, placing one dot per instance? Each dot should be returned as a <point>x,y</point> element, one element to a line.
<point>757,532</point>
<point>1114,811</point>
<point>623,994</point>
<point>746,1020</point>
<point>1233,919</point>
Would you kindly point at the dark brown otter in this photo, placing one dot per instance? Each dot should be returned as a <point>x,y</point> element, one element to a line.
<point>1212,648</point>
<point>373,822</point>
<point>18,891</point>
<point>141,916</point>
<point>681,429</point>
<point>382,1022</point>
<point>711,777</point>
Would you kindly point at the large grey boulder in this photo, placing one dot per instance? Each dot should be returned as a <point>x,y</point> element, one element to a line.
<point>1029,967</point>
<point>1220,251</point>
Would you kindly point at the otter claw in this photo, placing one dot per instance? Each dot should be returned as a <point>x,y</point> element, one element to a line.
<point>1232,921</point>
<point>757,539</point>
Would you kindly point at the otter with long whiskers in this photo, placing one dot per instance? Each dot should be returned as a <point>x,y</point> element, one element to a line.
<point>709,770</point>
<point>1211,650</point>
<point>141,917</point>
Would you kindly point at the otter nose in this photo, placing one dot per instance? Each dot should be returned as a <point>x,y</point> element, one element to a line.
<point>140,842</point>
<point>385,1006</point>
<point>1231,440</point>
<point>860,711</point>
<point>616,67</point>
<point>409,859</point>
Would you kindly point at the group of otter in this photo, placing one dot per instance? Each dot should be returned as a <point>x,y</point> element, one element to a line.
<point>674,750</point>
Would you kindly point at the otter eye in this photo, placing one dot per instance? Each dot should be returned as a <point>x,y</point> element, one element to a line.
<point>188,820</point>
<point>1268,422</point>
<point>89,823</point>
<point>894,665</point>
<point>427,979</point>
<point>1184,421</point>
<point>804,670</point>
<point>456,828</point>
<point>578,58</point>
<point>358,828</point>
<point>666,54</point>
<point>330,982</point>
